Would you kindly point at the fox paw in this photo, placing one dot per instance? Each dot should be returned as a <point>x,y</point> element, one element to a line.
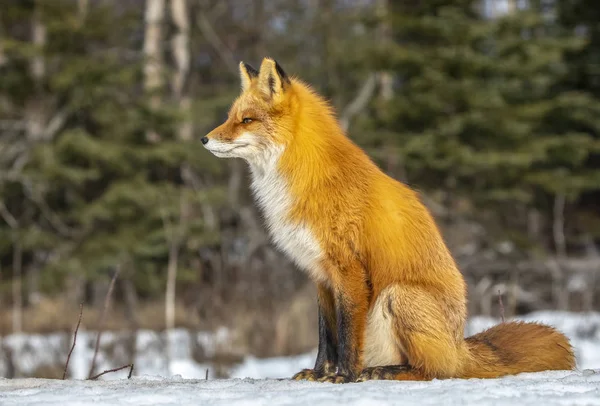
<point>335,378</point>
<point>378,373</point>
<point>307,375</point>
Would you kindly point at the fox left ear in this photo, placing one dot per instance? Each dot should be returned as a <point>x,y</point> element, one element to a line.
<point>272,80</point>
<point>247,75</point>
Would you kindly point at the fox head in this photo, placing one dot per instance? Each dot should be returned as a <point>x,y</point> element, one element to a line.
<point>260,121</point>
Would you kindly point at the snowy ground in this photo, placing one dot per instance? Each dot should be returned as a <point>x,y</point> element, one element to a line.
<point>31,352</point>
<point>548,389</point>
<point>176,382</point>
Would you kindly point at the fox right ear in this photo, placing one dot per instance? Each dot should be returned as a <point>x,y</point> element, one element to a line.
<point>247,73</point>
<point>272,80</point>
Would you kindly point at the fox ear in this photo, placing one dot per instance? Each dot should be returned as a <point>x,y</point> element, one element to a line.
<point>272,80</point>
<point>247,73</point>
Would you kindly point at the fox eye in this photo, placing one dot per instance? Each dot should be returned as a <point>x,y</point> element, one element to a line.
<point>246,120</point>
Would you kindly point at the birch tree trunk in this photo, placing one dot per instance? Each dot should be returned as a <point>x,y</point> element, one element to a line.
<point>35,116</point>
<point>181,55</point>
<point>154,16</point>
<point>82,9</point>
<point>34,113</point>
<point>386,78</point>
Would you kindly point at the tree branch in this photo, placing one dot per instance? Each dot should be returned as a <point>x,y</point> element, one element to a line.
<point>8,217</point>
<point>74,340</point>
<point>360,102</point>
<point>102,316</point>
<point>130,366</point>
<point>47,212</point>
<point>219,46</point>
<point>55,124</point>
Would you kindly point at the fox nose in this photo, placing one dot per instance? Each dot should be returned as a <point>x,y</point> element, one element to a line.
<point>204,140</point>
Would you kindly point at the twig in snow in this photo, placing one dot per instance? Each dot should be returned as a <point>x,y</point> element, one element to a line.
<point>501,305</point>
<point>101,323</point>
<point>74,340</point>
<point>206,377</point>
<point>130,366</point>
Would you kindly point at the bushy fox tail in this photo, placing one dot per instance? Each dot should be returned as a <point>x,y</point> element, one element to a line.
<point>515,347</point>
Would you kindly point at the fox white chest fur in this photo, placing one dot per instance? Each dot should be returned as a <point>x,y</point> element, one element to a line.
<point>273,197</point>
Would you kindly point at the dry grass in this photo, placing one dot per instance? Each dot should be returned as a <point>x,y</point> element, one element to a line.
<point>296,327</point>
<point>52,315</point>
<point>264,331</point>
<point>46,372</point>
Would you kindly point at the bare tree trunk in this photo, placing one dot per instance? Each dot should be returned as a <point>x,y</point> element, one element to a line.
<point>34,127</point>
<point>17,286</point>
<point>131,300</point>
<point>385,78</point>
<point>38,34</point>
<point>512,6</point>
<point>3,59</point>
<point>181,53</point>
<point>360,102</point>
<point>34,112</point>
<point>16,264</point>
<point>482,290</point>
<point>171,282</point>
<point>33,281</point>
<point>558,226</point>
<point>155,12</point>
<point>215,41</point>
<point>382,79</point>
<point>175,236</point>
<point>560,293</point>
<point>36,118</point>
<point>592,277</point>
<point>534,224</point>
<point>512,292</point>
<point>235,183</point>
<point>82,9</point>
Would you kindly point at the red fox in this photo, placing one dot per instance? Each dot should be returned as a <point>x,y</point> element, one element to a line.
<point>391,299</point>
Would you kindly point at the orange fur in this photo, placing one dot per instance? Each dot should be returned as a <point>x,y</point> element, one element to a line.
<point>375,250</point>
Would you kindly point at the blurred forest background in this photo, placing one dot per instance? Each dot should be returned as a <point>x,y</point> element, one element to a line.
<point>491,109</point>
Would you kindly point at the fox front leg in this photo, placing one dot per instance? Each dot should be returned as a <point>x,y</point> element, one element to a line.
<point>351,304</point>
<point>326,363</point>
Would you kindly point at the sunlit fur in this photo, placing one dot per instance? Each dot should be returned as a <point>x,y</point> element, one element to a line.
<point>363,235</point>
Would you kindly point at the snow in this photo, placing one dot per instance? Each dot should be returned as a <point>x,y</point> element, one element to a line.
<point>547,388</point>
<point>279,367</point>
<point>179,380</point>
<point>30,352</point>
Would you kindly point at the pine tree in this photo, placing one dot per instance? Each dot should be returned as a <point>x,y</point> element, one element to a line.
<point>478,111</point>
<point>99,193</point>
<point>582,18</point>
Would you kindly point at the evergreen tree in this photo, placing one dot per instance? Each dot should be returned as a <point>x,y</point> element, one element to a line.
<point>478,111</point>
<point>99,193</point>
<point>581,18</point>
